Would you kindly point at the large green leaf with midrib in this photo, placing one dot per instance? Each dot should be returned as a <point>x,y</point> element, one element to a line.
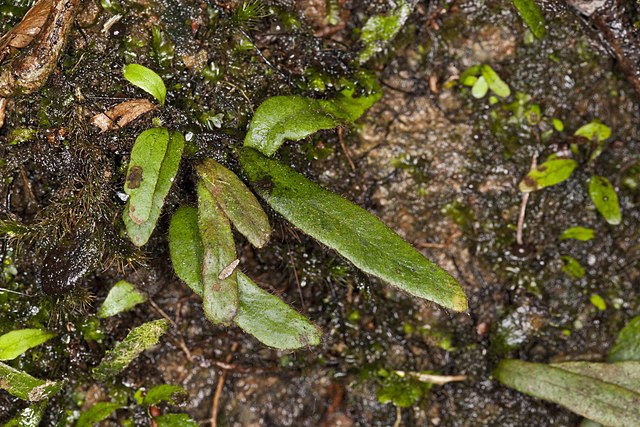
<point>350,230</point>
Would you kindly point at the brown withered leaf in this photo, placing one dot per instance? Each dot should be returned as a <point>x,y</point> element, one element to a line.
<point>29,70</point>
<point>24,32</point>
<point>3,106</point>
<point>122,114</point>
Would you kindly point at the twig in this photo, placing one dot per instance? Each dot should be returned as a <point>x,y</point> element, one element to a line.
<point>162,313</point>
<point>523,205</point>
<point>344,149</point>
<point>216,396</point>
<point>15,292</point>
<point>398,417</point>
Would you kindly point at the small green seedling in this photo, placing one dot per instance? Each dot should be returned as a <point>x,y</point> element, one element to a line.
<point>147,80</point>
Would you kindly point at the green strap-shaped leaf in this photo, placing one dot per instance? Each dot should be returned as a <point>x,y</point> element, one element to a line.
<point>157,151</point>
<point>350,230</point>
<point>549,173</point>
<point>185,247</point>
<point>147,155</point>
<point>603,402</point>
<point>138,340</point>
<point>147,80</point>
<point>348,108</point>
<point>267,316</point>
<point>29,416</point>
<point>623,374</point>
<point>282,118</point>
<point>14,343</point>
<point>605,198</point>
<point>237,201</point>
<point>579,233</point>
<point>97,413</point>
<point>165,393</point>
<point>24,386</point>
<point>532,16</point>
<point>495,83</point>
<point>627,346</point>
<point>219,286</point>
<point>123,296</point>
<point>260,314</point>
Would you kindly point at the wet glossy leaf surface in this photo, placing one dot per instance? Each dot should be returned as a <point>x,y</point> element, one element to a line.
<point>29,416</point>
<point>283,118</point>
<point>605,198</point>
<point>237,201</point>
<point>379,30</point>
<point>155,159</point>
<point>147,80</point>
<point>14,343</point>
<point>549,173</point>
<point>532,16</point>
<point>138,340</point>
<point>350,230</point>
<point>600,401</point>
<point>165,393</point>
<point>24,386</point>
<point>123,296</point>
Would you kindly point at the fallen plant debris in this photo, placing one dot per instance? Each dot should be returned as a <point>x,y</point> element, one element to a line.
<point>29,70</point>
<point>122,114</point>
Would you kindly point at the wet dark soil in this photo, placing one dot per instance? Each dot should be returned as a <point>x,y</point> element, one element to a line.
<point>434,163</point>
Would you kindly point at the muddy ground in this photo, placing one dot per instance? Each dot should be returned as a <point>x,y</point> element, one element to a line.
<point>434,163</point>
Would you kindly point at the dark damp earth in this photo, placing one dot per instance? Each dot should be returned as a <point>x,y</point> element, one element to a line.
<point>437,165</point>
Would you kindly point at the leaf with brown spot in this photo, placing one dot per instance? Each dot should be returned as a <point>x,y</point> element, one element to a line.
<point>122,114</point>
<point>549,173</point>
<point>219,296</point>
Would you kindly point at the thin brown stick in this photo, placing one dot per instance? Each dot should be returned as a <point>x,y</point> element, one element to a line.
<point>523,206</point>
<point>161,312</point>
<point>216,399</point>
<point>215,406</point>
<point>344,149</point>
<point>398,417</point>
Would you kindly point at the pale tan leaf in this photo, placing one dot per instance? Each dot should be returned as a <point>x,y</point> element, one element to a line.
<point>122,114</point>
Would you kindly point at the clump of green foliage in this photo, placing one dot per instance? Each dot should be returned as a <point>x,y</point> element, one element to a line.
<point>202,246</point>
